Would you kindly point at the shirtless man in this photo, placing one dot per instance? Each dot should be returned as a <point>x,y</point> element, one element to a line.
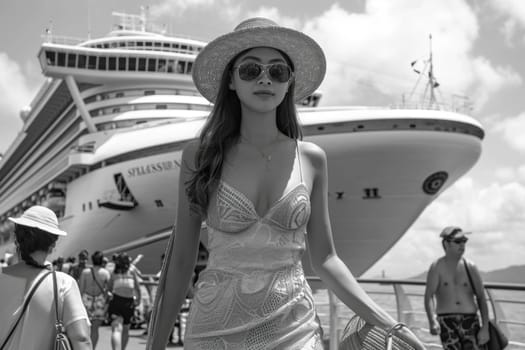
<point>457,322</point>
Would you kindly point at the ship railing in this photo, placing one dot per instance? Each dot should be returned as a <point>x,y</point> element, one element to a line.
<point>404,300</point>
<point>63,40</point>
<point>452,103</point>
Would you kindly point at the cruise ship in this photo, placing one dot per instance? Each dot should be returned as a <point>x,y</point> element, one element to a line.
<point>101,146</point>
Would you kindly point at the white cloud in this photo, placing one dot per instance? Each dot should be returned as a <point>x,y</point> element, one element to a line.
<point>495,214</point>
<point>274,14</point>
<point>513,130</point>
<point>226,9</point>
<point>514,10</point>
<point>370,53</point>
<point>15,93</point>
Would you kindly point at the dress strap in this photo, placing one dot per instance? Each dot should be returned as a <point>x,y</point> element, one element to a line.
<point>299,158</point>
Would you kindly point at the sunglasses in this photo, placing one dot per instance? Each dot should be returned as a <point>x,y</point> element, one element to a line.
<point>277,72</point>
<point>459,240</point>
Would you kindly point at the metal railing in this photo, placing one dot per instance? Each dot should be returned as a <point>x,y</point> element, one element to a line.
<point>403,299</point>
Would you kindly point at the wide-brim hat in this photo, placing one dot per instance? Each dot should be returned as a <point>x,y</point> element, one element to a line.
<point>309,63</point>
<point>40,217</point>
<point>453,232</point>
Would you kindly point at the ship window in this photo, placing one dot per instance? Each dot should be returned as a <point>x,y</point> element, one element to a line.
<point>122,44</point>
<point>50,57</point>
<point>159,203</point>
<point>149,44</point>
<point>102,63</point>
<point>132,64</point>
<point>162,65</point>
<point>113,44</point>
<point>188,67</point>
<point>140,43</point>
<point>92,62</point>
<point>90,206</point>
<point>152,62</point>
<point>180,67</point>
<point>149,92</point>
<point>122,63</point>
<point>71,60</point>
<point>115,110</point>
<point>83,206</point>
<point>175,46</point>
<point>166,45</point>
<point>119,94</point>
<point>142,64</point>
<point>106,46</point>
<point>171,65</point>
<point>112,63</point>
<point>163,106</point>
<point>184,47</point>
<point>61,59</point>
<point>157,44</point>
<point>82,61</point>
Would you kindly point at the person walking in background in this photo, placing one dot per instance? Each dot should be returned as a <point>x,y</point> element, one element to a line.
<point>36,233</point>
<point>94,288</point>
<point>264,195</point>
<point>76,269</point>
<point>454,317</point>
<point>126,295</point>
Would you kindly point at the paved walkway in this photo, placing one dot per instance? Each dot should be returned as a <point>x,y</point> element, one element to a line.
<point>137,341</point>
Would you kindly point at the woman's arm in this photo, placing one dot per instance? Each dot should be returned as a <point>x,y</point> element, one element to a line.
<point>325,262</point>
<point>177,274</point>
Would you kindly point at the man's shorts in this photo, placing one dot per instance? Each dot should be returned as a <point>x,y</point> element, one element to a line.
<point>459,331</point>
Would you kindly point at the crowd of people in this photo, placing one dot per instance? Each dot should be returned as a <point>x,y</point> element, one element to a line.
<point>253,293</point>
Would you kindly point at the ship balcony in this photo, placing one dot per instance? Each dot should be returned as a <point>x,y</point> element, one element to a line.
<point>99,66</point>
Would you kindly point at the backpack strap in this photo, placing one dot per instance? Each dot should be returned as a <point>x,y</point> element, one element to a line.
<point>24,308</point>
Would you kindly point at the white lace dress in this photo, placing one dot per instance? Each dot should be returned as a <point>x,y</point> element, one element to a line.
<point>253,293</point>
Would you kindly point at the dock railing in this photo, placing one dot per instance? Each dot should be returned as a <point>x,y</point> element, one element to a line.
<point>404,300</point>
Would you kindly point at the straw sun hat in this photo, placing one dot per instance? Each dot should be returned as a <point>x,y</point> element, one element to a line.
<point>306,55</point>
<point>40,217</point>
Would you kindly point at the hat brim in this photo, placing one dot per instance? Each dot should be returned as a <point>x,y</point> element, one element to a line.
<point>306,55</point>
<point>29,223</point>
<point>460,234</point>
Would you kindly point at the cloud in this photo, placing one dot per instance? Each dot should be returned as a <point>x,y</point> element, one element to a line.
<point>226,9</point>
<point>369,53</point>
<point>513,130</point>
<point>495,213</point>
<point>514,10</point>
<point>16,92</point>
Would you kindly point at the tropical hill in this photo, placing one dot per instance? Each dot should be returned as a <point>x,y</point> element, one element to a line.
<point>511,274</point>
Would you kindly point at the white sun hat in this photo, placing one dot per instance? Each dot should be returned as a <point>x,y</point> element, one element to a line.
<point>306,55</point>
<point>40,217</point>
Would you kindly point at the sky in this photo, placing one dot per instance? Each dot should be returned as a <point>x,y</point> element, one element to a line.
<point>478,50</point>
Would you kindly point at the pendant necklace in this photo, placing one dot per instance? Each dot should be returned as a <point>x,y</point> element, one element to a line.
<point>267,156</point>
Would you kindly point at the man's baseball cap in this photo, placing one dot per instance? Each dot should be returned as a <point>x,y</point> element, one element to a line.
<point>453,232</point>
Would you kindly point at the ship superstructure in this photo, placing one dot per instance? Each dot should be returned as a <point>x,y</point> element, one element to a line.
<point>102,141</point>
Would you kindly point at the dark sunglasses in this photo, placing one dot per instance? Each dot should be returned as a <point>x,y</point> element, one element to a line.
<point>277,72</point>
<point>459,240</point>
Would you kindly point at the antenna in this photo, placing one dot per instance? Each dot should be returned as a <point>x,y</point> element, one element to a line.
<point>431,80</point>
<point>89,20</point>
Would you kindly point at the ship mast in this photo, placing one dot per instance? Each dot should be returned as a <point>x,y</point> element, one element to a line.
<point>428,97</point>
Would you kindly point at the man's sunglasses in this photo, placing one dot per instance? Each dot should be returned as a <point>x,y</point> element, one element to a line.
<point>277,72</point>
<point>458,240</point>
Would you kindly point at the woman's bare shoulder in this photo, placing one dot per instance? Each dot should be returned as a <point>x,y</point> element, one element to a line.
<point>313,152</point>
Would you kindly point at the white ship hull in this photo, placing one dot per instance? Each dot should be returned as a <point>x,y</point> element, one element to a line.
<point>394,162</point>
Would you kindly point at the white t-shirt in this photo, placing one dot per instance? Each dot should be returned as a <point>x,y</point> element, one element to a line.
<point>36,329</point>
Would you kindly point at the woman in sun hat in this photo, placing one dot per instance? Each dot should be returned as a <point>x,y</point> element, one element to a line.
<point>36,233</point>
<point>263,194</point>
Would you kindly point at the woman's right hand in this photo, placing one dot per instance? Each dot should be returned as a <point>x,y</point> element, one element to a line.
<point>407,335</point>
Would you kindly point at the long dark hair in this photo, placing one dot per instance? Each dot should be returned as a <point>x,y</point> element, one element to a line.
<point>222,131</point>
<point>32,239</point>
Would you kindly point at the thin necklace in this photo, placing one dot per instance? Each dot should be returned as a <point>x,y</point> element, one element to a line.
<point>267,156</point>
